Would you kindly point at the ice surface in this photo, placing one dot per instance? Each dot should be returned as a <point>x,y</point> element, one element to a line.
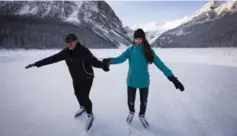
<point>41,102</point>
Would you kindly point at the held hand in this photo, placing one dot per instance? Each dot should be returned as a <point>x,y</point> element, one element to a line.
<point>29,66</point>
<point>177,83</point>
<point>106,61</point>
<point>106,69</point>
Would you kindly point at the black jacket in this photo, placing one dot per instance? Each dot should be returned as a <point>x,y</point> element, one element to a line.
<point>79,61</point>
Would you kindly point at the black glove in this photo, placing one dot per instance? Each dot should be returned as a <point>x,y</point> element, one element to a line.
<point>30,65</point>
<point>106,63</point>
<point>177,83</point>
<point>106,69</point>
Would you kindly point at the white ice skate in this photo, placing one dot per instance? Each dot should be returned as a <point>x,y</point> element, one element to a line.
<point>144,121</point>
<point>89,122</point>
<point>79,112</point>
<point>130,117</point>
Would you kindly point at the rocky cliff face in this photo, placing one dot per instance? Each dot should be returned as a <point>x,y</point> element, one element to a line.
<point>43,24</point>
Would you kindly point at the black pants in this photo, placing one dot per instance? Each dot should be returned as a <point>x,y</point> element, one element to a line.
<point>82,91</point>
<point>143,99</point>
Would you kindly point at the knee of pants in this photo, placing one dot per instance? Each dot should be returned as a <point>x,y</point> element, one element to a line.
<point>76,93</point>
<point>86,100</point>
<point>144,104</point>
<point>130,103</point>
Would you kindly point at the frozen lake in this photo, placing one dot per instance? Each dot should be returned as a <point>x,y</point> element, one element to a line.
<point>41,102</point>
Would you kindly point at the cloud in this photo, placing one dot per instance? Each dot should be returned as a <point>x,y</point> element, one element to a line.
<point>161,26</point>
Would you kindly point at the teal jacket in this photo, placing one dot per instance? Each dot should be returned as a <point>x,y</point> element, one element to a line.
<point>138,75</point>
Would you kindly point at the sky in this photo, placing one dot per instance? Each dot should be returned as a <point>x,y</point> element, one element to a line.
<point>141,12</point>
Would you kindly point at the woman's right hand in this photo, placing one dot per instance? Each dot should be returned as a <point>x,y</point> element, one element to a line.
<point>106,61</point>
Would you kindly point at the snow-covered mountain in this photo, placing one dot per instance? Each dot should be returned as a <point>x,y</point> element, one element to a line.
<point>155,29</point>
<point>150,35</point>
<point>129,32</point>
<point>43,24</point>
<point>214,25</point>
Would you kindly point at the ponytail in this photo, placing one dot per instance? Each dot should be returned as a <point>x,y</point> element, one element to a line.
<point>147,51</point>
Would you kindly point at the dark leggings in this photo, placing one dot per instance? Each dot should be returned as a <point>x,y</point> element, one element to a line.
<point>82,92</point>
<point>143,99</point>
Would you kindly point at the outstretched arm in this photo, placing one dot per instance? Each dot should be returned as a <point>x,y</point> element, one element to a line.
<point>121,58</point>
<point>167,72</point>
<point>95,62</point>
<point>160,64</point>
<point>49,60</point>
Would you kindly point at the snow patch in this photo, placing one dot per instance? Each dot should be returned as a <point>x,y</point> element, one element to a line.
<point>170,41</point>
<point>179,32</point>
<point>24,10</point>
<point>47,12</point>
<point>162,26</point>
<point>79,3</point>
<point>227,7</point>
<point>116,33</point>
<point>154,29</point>
<point>152,36</point>
<point>93,6</point>
<point>122,46</point>
<point>2,3</point>
<point>74,18</point>
<point>209,12</point>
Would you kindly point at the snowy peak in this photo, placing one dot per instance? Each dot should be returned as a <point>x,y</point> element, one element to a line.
<point>150,26</point>
<point>99,11</point>
<point>129,32</point>
<point>230,7</point>
<point>95,16</point>
<point>41,9</point>
<point>155,29</point>
<point>213,10</point>
<point>214,25</point>
<point>211,4</point>
<point>70,11</point>
<point>128,29</point>
<point>104,21</point>
<point>209,11</point>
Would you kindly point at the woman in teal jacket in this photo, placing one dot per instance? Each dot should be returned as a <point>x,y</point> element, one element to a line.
<point>139,56</point>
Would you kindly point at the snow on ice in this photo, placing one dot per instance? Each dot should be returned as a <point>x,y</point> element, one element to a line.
<point>41,102</point>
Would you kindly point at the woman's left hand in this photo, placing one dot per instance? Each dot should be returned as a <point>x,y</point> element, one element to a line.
<point>177,83</point>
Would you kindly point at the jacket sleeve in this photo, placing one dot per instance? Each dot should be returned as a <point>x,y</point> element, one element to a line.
<point>121,58</point>
<point>159,64</point>
<point>93,60</point>
<point>52,59</point>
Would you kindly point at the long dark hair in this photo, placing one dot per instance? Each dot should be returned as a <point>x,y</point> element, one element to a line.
<point>147,51</point>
